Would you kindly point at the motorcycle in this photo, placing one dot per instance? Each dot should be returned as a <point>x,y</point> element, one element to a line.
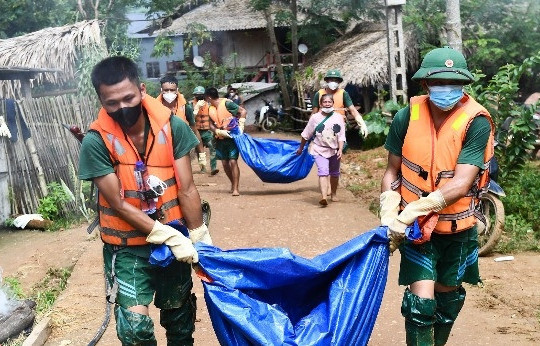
<point>492,211</point>
<point>268,117</point>
<point>490,220</point>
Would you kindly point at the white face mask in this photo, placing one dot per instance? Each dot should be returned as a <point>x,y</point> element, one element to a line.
<point>333,85</point>
<point>169,97</point>
<point>327,110</point>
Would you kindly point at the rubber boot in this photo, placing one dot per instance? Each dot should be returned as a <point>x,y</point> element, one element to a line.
<point>449,305</point>
<point>179,323</point>
<point>419,316</point>
<point>133,328</point>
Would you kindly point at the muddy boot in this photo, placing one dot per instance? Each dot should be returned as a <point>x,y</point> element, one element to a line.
<point>179,323</point>
<point>133,328</point>
<point>419,316</point>
<point>449,305</point>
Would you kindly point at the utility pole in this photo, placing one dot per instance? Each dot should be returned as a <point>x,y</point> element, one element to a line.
<point>397,67</point>
<point>453,25</point>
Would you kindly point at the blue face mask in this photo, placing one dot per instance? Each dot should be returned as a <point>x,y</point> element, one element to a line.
<point>445,97</point>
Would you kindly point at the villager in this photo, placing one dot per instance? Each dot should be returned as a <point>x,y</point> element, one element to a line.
<point>135,130</point>
<point>439,152</point>
<point>327,130</point>
<point>172,98</point>
<point>232,94</point>
<point>226,116</point>
<point>202,120</point>
<point>342,103</point>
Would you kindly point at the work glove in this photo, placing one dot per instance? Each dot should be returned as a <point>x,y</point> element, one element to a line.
<point>198,106</point>
<point>200,233</point>
<point>223,133</point>
<point>433,202</point>
<point>362,125</point>
<point>4,130</point>
<point>389,206</point>
<point>241,123</point>
<point>202,161</point>
<point>181,247</point>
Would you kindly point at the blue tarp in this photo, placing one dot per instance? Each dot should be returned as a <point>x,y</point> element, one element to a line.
<point>274,160</point>
<point>269,296</point>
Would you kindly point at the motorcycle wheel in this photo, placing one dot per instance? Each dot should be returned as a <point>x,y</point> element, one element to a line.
<point>489,234</point>
<point>269,124</point>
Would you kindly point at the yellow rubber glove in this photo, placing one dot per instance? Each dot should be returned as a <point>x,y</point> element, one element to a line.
<point>200,233</point>
<point>432,202</point>
<point>181,247</point>
<point>389,203</point>
<point>223,133</point>
<point>241,123</point>
<point>362,125</point>
<point>202,161</point>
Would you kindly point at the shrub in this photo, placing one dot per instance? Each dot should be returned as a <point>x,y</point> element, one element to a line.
<point>523,197</point>
<point>50,206</point>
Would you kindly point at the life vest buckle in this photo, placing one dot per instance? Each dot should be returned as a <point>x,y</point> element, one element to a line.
<point>423,174</point>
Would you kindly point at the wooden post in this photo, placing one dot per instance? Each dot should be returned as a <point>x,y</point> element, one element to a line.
<point>5,207</point>
<point>397,67</point>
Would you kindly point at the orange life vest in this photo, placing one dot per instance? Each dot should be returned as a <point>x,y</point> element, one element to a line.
<point>220,115</point>
<point>159,161</point>
<point>180,109</point>
<point>339,105</point>
<point>429,162</point>
<point>202,119</point>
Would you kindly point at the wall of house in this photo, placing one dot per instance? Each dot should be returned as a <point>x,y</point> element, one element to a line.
<point>250,46</point>
<point>156,67</point>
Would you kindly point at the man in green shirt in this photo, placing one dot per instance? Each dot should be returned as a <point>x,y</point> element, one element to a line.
<point>136,153</point>
<point>439,149</point>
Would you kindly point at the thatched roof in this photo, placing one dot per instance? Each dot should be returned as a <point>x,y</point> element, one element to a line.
<point>225,15</point>
<point>51,48</point>
<point>361,56</point>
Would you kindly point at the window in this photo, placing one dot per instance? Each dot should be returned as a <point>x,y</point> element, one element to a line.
<point>152,69</point>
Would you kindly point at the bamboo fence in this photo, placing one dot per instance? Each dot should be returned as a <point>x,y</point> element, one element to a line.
<point>56,155</point>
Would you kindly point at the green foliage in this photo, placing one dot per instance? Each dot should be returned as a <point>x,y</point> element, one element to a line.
<point>378,122</point>
<point>519,236</point>
<point>13,287</point>
<point>46,291</point>
<point>163,46</point>
<point>498,97</point>
<point>214,74</point>
<point>523,196</point>
<point>50,206</point>
<point>18,17</point>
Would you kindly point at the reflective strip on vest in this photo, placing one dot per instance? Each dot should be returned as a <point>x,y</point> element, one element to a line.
<point>429,166</point>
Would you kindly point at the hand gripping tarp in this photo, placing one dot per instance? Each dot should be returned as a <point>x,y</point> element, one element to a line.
<point>274,160</point>
<point>269,296</point>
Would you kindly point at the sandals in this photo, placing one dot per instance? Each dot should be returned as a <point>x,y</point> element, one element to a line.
<point>323,202</point>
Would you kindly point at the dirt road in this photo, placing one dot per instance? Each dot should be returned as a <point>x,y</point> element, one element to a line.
<point>506,311</point>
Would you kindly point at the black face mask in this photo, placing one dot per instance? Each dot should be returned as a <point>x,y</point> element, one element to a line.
<point>126,117</point>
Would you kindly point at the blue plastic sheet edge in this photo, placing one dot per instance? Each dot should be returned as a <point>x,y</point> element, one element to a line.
<point>274,160</point>
<point>269,296</point>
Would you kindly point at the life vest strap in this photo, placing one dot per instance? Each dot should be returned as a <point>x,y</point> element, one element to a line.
<point>415,168</point>
<point>443,174</point>
<point>149,193</point>
<point>123,235</point>
<point>396,183</point>
<point>458,216</point>
<point>413,188</point>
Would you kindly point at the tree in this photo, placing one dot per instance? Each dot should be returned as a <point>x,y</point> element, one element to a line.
<point>453,25</point>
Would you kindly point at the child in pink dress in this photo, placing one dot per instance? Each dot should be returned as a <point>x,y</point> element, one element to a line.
<point>327,129</point>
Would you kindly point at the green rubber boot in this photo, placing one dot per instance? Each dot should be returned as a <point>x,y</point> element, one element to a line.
<point>179,323</point>
<point>133,328</point>
<point>419,316</point>
<point>449,305</point>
